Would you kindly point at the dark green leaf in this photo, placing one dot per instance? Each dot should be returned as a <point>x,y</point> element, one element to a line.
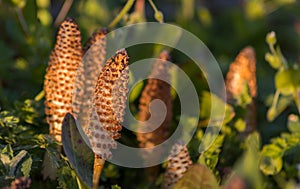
<point>26,166</point>
<point>271,151</point>
<point>271,159</point>
<point>197,177</point>
<point>8,151</point>
<point>269,165</point>
<point>15,162</point>
<point>287,81</point>
<point>79,154</point>
<point>274,60</point>
<point>282,104</point>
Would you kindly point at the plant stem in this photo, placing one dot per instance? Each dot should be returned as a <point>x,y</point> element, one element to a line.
<point>275,99</point>
<point>63,12</point>
<point>153,6</point>
<point>22,21</point>
<point>125,9</point>
<point>98,166</point>
<point>39,96</point>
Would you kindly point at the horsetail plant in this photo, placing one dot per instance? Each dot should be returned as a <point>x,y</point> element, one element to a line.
<point>179,162</point>
<point>107,111</point>
<point>71,86</point>
<point>61,73</point>
<point>59,79</point>
<point>156,88</point>
<point>93,60</point>
<point>240,82</point>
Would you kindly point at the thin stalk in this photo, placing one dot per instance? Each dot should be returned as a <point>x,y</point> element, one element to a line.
<point>39,96</point>
<point>63,12</point>
<point>125,9</point>
<point>98,166</point>
<point>278,53</point>
<point>275,99</point>
<point>153,6</point>
<point>22,21</point>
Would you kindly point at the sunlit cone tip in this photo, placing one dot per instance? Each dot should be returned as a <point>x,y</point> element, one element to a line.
<point>96,38</point>
<point>242,71</point>
<point>164,55</point>
<point>68,27</point>
<point>70,20</point>
<point>122,58</point>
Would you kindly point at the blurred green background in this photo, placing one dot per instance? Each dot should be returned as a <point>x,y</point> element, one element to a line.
<point>28,29</point>
<point>27,35</point>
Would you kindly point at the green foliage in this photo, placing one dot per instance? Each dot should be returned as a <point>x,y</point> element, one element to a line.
<point>287,80</point>
<point>247,166</point>
<point>197,177</point>
<point>67,177</point>
<point>79,154</point>
<point>14,166</point>
<point>274,154</point>
<point>210,157</point>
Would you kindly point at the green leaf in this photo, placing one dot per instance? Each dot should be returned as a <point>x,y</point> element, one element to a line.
<point>136,91</point>
<point>269,165</point>
<point>282,104</point>
<point>8,120</point>
<point>274,60</point>
<point>67,178</point>
<point>287,81</point>
<point>210,156</point>
<point>271,150</point>
<point>197,177</point>
<point>26,166</point>
<point>248,166</point>
<point>271,159</point>
<point>189,126</point>
<point>218,109</point>
<point>15,162</point>
<point>79,154</point>
<point>8,151</point>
